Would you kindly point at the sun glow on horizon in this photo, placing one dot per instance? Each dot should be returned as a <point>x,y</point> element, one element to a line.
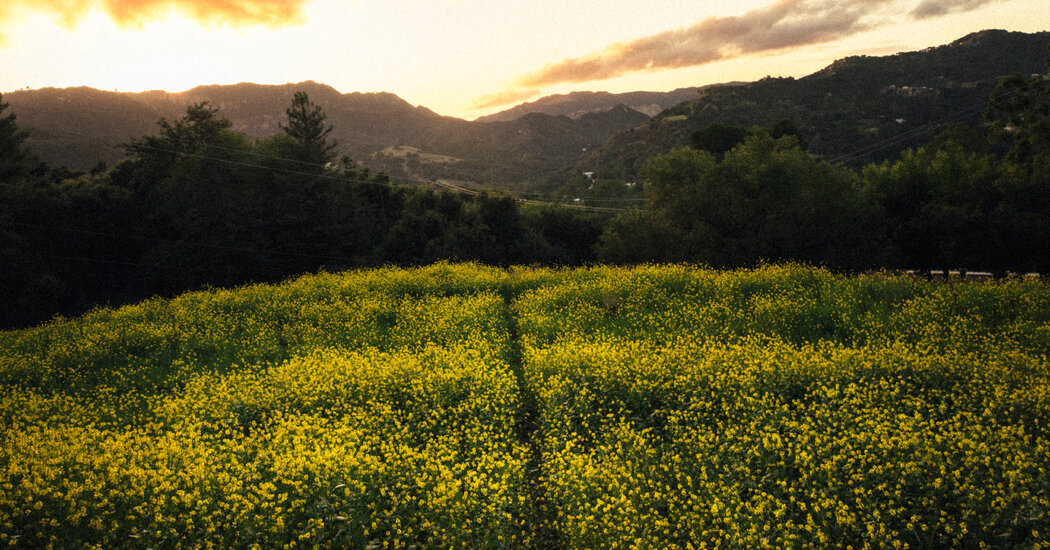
<point>174,55</point>
<point>450,54</point>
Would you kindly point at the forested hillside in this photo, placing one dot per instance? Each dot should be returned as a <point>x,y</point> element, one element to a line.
<point>857,111</point>
<point>577,104</point>
<point>77,127</point>
<point>198,202</point>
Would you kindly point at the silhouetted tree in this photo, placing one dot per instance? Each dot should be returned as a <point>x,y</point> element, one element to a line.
<point>562,236</point>
<point>785,127</point>
<point>971,140</point>
<point>639,236</point>
<point>1020,221</point>
<point>937,204</point>
<point>766,200</point>
<point>195,137</point>
<point>309,134</point>
<point>15,161</point>
<point>718,139</point>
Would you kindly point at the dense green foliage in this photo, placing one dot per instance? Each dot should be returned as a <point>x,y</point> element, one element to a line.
<point>15,161</point>
<point>469,406</point>
<point>857,111</point>
<point>200,204</point>
<point>765,200</point>
<point>967,199</point>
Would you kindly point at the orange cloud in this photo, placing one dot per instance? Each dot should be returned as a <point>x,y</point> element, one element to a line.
<point>237,13</point>
<point>783,24</point>
<point>937,8</point>
<point>504,98</point>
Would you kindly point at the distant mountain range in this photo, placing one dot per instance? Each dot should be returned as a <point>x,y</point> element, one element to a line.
<point>577,104</point>
<point>76,127</point>
<point>857,110</point>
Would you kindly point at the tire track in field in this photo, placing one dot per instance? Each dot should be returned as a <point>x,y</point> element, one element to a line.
<point>528,422</point>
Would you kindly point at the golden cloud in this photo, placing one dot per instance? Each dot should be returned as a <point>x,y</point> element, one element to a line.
<point>937,8</point>
<point>504,98</point>
<point>783,24</point>
<point>238,13</point>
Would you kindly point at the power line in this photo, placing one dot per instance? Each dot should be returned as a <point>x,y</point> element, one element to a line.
<point>929,127</point>
<point>323,172</point>
<point>322,175</point>
<point>141,145</point>
<point>583,207</point>
<point>921,129</point>
<point>179,242</point>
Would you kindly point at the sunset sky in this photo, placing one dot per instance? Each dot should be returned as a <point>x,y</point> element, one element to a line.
<point>467,58</point>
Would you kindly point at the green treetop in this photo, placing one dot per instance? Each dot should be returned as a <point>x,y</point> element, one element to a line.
<point>15,161</point>
<point>309,134</point>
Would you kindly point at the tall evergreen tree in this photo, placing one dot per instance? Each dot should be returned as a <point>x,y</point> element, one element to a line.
<point>309,134</point>
<point>202,134</point>
<point>15,161</point>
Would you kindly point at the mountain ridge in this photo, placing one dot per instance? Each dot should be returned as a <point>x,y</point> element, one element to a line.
<point>76,127</point>
<point>854,104</point>
<point>855,111</point>
<point>576,104</point>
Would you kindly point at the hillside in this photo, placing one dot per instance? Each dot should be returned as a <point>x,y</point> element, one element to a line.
<point>76,127</point>
<point>856,111</point>
<point>462,406</point>
<point>577,104</point>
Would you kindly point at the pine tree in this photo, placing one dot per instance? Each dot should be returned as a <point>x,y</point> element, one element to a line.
<point>15,161</point>
<point>309,134</point>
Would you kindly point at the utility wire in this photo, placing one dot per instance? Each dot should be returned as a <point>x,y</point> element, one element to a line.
<point>926,128</point>
<point>322,173</point>
<point>921,129</point>
<point>179,242</point>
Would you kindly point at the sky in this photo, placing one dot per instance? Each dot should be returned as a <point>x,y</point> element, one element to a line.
<point>468,58</point>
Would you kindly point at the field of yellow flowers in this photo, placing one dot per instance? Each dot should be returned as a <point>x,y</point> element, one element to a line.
<point>463,406</point>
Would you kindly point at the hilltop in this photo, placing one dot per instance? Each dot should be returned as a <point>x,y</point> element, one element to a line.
<point>77,127</point>
<point>857,110</point>
<point>577,104</point>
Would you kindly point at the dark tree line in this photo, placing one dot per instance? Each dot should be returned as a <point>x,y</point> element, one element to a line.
<point>953,204</point>
<point>766,199</point>
<point>975,199</point>
<point>199,204</point>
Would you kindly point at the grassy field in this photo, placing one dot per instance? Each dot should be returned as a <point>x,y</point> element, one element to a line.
<point>461,406</point>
